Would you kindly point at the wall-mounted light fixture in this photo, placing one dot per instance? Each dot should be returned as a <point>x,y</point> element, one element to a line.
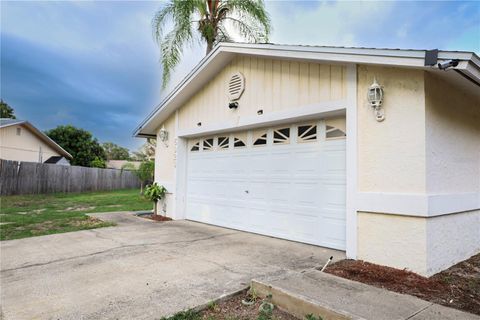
<point>163,136</point>
<point>375,99</point>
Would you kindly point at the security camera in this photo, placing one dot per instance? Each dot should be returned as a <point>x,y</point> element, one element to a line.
<point>233,105</point>
<point>448,64</point>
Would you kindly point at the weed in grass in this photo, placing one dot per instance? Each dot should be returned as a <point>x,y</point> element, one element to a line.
<point>313,317</point>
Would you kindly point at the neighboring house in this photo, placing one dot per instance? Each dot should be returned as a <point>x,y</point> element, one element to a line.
<point>119,164</point>
<point>283,141</point>
<point>21,141</point>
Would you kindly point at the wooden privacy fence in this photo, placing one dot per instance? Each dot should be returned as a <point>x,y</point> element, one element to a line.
<point>37,178</point>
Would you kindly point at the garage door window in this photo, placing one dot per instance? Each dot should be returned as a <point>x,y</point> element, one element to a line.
<point>196,146</point>
<point>260,138</point>
<point>208,144</point>
<point>237,143</point>
<point>307,133</point>
<point>334,133</point>
<point>223,142</point>
<point>281,136</point>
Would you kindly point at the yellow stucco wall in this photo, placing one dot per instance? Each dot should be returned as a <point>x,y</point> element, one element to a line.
<point>270,85</point>
<point>23,147</point>
<point>391,154</point>
<point>392,240</point>
<point>435,151</point>
<point>165,154</point>
<point>423,245</point>
<point>453,137</point>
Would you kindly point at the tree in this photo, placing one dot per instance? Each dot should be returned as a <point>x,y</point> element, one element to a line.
<point>6,111</point>
<point>79,143</point>
<point>115,152</point>
<point>147,151</point>
<point>210,18</point>
<point>98,163</point>
<point>145,173</point>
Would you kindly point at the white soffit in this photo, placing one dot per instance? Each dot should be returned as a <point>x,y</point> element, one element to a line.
<point>213,63</point>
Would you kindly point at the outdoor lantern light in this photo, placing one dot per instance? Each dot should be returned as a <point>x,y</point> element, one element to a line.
<point>375,99</point>
<point>163,135</point>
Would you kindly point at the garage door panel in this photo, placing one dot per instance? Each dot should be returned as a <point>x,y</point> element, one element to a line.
<point>335,195</point>
<point>292,191</point>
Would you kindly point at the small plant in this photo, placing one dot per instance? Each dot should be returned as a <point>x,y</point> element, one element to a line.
<point>212,305</point>
<point>155,193</point>
<point>251,297</point>
<point>265,314</point>
<point>312,317</point>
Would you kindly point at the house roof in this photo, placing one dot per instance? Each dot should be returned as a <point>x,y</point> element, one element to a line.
<point>468,67</point>
<point>42,136</point>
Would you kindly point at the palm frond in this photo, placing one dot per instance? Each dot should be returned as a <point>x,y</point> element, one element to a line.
<point>180,14</point>
<point>251,13</point>
<point>172,47</point>
<point>208,17</point>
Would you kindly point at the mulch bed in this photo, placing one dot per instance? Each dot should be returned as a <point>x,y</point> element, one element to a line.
<point>457,287</point>
<point>155,217</point>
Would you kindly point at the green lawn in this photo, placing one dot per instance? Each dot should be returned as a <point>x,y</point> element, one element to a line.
<point>34,215</point>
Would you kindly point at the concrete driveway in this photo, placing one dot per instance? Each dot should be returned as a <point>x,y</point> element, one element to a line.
<point>139,269</point>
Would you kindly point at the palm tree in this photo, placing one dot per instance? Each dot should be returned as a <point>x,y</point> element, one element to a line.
<point>210,18</point>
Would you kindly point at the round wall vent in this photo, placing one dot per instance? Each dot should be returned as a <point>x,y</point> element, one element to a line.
<point>236,86</point>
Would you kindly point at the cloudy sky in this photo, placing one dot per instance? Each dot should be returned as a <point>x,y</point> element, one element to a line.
<point>94,64</point>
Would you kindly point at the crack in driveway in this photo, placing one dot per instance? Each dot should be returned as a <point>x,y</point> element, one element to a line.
<point>123,246</point>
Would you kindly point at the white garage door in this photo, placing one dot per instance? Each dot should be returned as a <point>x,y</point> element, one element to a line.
<point>286,182</point>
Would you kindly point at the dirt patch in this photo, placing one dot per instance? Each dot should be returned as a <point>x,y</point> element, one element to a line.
<point>77,208</point>
<point>232,308</point>
<point>457,287</point>
<point>41,228</point>
<point>155,217</point>
<point>89,222</point>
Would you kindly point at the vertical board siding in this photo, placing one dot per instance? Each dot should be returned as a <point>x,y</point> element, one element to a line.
<point>271,85</point>
<point>40,178</point>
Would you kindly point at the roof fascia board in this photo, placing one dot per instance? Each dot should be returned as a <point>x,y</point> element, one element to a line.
<point>12,124</point>
<point>420,54</point>
<point>331,57</point>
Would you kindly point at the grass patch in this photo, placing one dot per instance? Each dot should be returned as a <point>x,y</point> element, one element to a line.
<point>34,215</point>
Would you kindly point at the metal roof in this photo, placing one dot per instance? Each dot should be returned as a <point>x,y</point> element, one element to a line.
<point>4,122</point>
